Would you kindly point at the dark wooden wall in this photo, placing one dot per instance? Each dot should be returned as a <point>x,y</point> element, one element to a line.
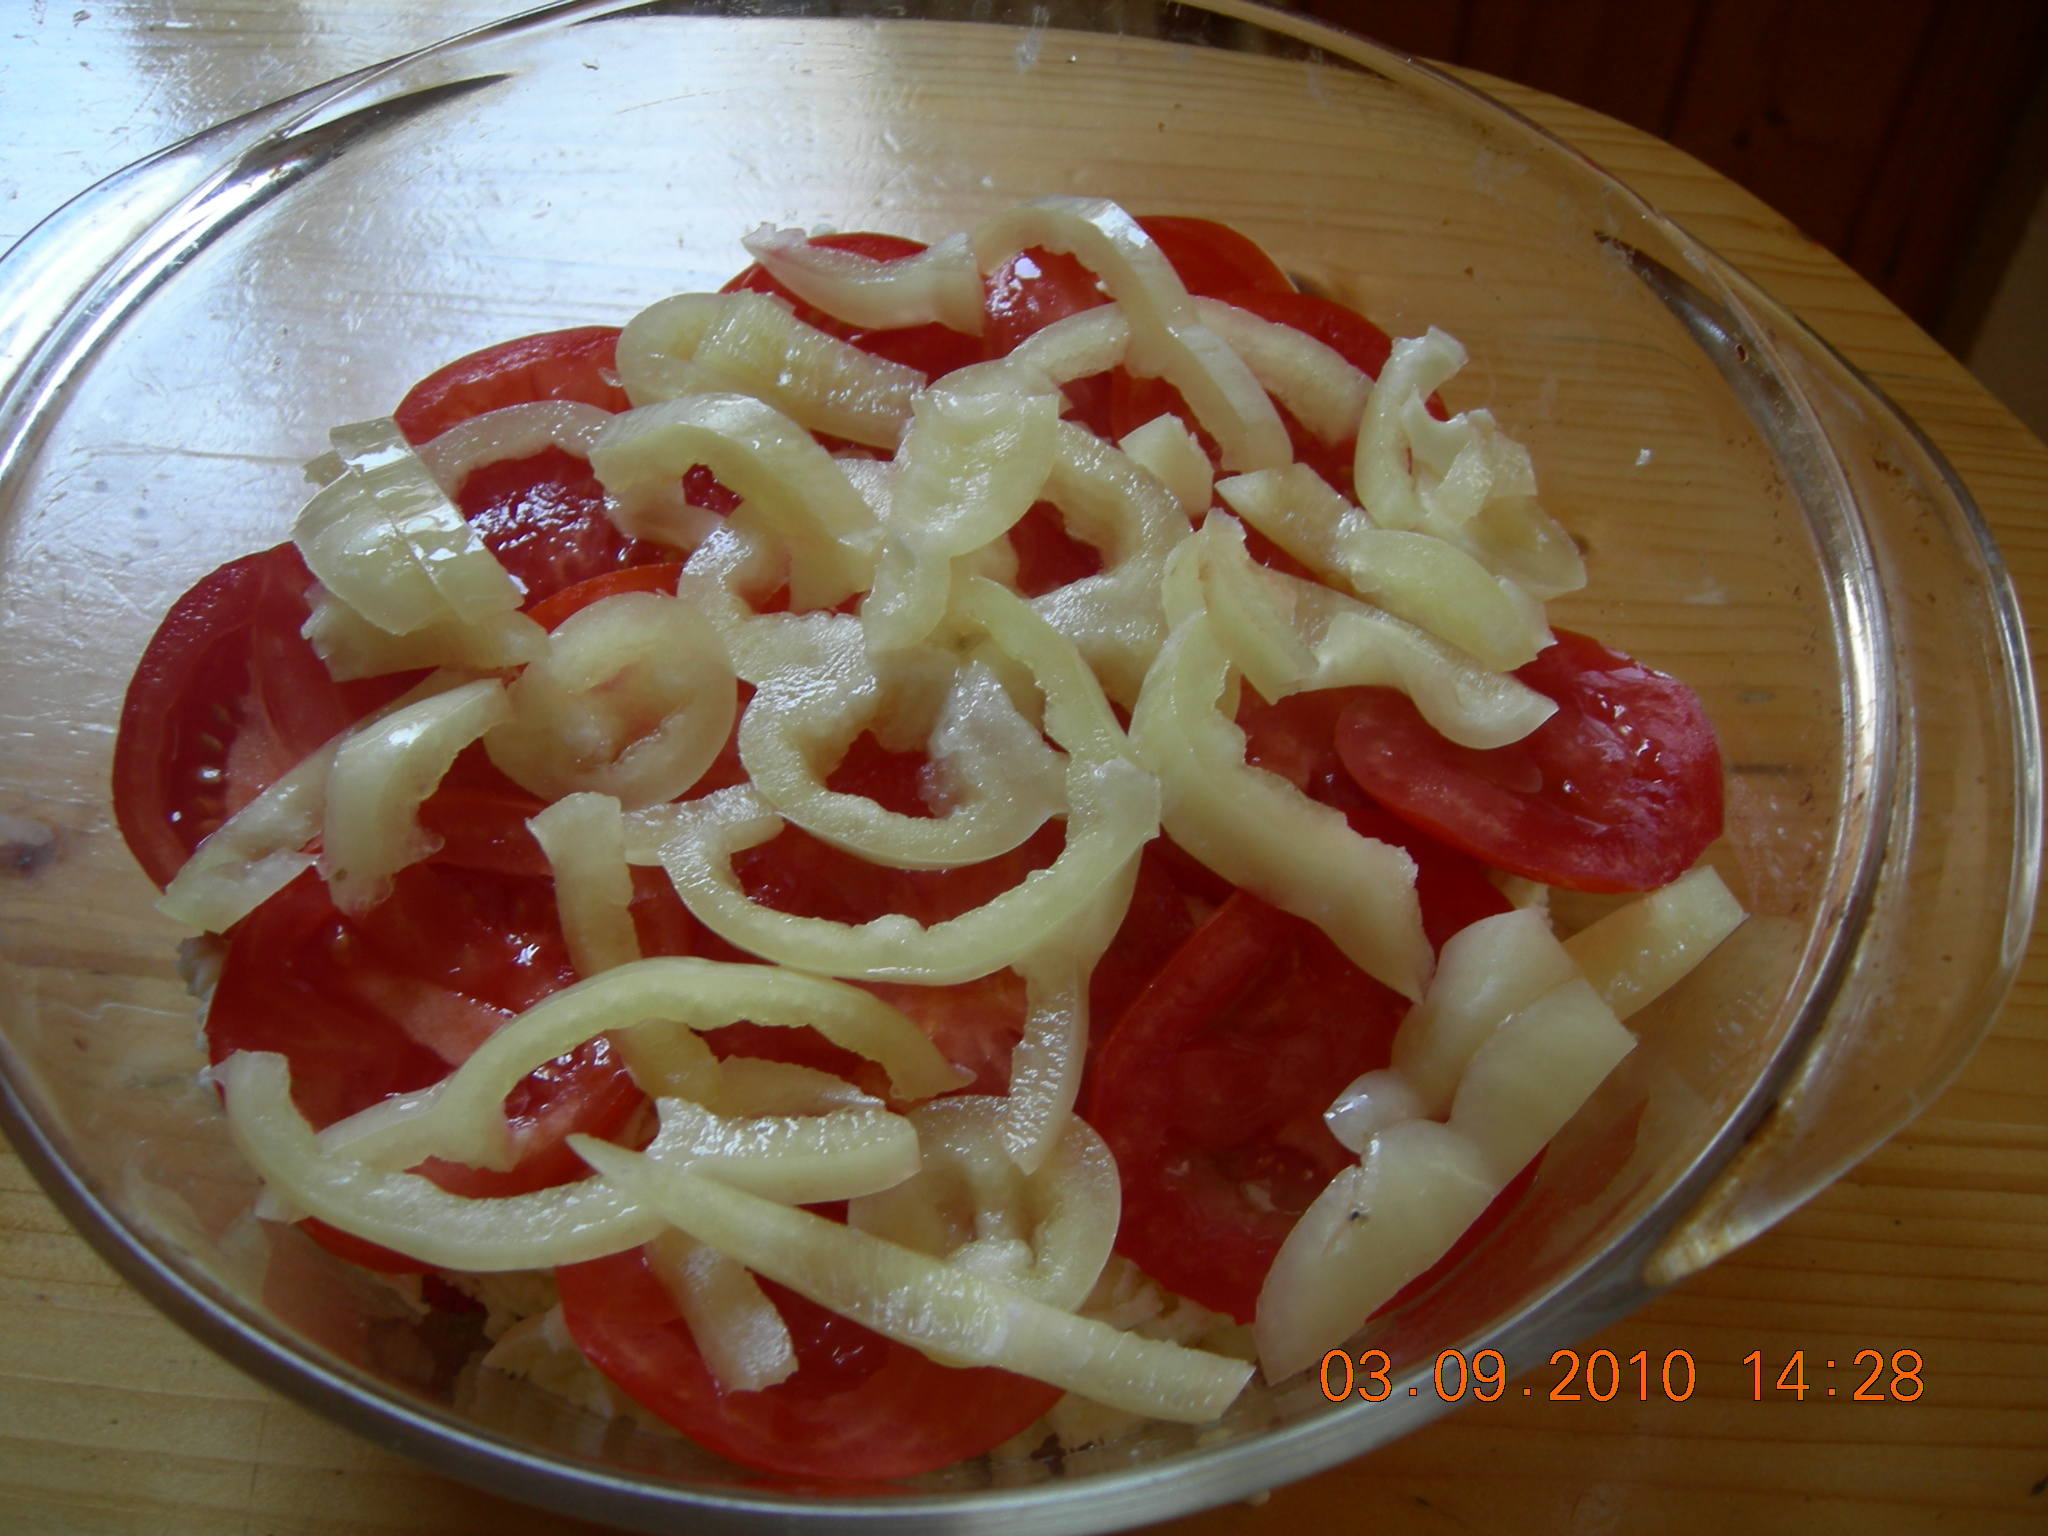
<point>1877,126</point>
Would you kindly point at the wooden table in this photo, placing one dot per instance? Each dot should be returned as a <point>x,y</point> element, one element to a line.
<point>111,1420</point>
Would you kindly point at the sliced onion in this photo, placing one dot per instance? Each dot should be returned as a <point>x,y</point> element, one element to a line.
<point>385,539</point>
<point>1046,1065</point>
<point>1258,831</point>
<point>795,1159</point>
<point>1374,1228</point>
<point>1168,338</point>
<point>1169,453</point>
<point>998,779</point>
<point>1078,347</point>
<point>1532,1074</point>
<point>1416,576</point>
<point>926,1303</point>
<point>762,456</point>
<point>1486,972</point>
<point>635,699</point>
<point>736,1328</point>
<point>353,647</point>
<point>584,839</point>
<point>1636,953</point>
<point>468,1119</point>
<point>511,432</point>
<point>1325,393</point>
<point>1112,812</point>
<point>974,460</point>
<point>255,853</point>
<point>1356,645</point>
<point>381,775</point>
<point>1371,1103</point>
<point>701,343</point>
<point>1463,479</point>
<point>1046,1233</point>
<point>939,283</point>
<point>408,1213</point>
<point>1107,500</point>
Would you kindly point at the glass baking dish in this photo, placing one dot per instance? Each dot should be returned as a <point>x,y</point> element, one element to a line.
<point>1757,519</point>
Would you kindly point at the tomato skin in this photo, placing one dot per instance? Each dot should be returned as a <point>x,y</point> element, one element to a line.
<point>1345,331</point>
<point>931,349</point>
<point>554,365</point>
<point>1620,790</point>
<point>226,698</point>
<point>1048,557</point>
<point>1213,260</point>
<point>660,578</point>
<point>859,1407</point>
<point>1296,739</point>
<point>391,1001</point>
<point>1210,1092</point>
<point>543,516</point>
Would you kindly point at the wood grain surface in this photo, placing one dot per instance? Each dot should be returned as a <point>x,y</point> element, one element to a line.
<point>111,1420</point>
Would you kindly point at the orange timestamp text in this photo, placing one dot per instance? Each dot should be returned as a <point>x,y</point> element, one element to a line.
<point>1603,1375</point>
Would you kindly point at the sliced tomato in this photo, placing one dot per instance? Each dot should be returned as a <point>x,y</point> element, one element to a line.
<point>931,349</point>
<point>554,365</point>
<point>227,697</point>
<point>1296,739</point>
<point>393,1000</point>
<point>544,518</point>
<point>1345,331</point>
<point>1211,1090</point>
<point>859,1407</point>
<point>633,578</point>
<point>1029,292</point>
<point>1214,260</point>
<point>1620,790</point>
<point>1047,555</point>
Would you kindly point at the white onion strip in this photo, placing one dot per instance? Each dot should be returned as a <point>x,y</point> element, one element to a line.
<point>407,1212</point>
<point>1168,338</point>
<point>737,1329</point>
<point>466,1121</point>
<point>1416,576</point>
<point>382,773</point>
<point>765,458</point>
<point>1326,394</point>
<point>926,1303</point>
<point>584,839</point>
<point>386,539</point>
<point>699,343</point>
<point>1112,812</point>
<point>939,283</point>
<point>1046,1065</point>
<point>1258,831</point>
<point>1046,1232</point>
<point>634,699</point>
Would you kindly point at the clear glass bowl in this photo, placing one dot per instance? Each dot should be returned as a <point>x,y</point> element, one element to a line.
<point>1757,520</point>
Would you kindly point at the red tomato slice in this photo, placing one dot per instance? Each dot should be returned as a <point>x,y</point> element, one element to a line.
<point>1029,292</point>
<point>633,578</point>
<point>931,349</point>
<point>392,1001</point>
<point>555,365</point>
<point>1048,556</point>
<point>1620,790</point>
<point>544,518</point>
<point>859,1408</point>
<point>1213,259</point>
<point>226,698</point>
<point>1211,1090</point>
<point>1345,331</point>
<point>1296,739</point>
